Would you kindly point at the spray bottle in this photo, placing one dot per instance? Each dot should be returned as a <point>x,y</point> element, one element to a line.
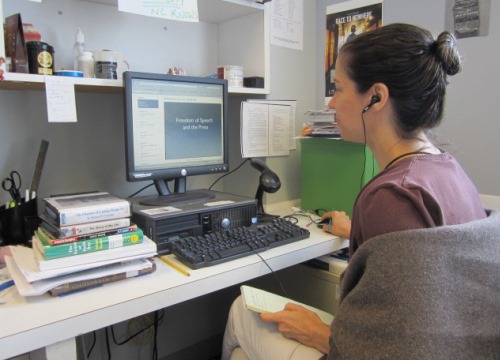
<point>78,48</point>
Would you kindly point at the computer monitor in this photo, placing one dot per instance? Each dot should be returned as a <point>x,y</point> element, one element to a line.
<point>175,126</point>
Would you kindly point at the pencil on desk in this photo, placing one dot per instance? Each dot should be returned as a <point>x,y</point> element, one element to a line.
<point>174,265</point>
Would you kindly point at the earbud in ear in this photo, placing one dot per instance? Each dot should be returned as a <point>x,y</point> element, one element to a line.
<point>375,99</point>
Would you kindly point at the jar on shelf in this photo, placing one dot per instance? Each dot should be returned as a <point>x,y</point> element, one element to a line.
<point>40,58</point>
<point>86,64</point>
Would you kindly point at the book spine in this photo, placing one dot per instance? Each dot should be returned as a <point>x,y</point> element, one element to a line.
<point>95,227</point>
<point>83,215</point>
<point>49,239</point>
<point>83,229</point>
<point>75,286</point>
<point>53,240</point>
<point>87,246</point>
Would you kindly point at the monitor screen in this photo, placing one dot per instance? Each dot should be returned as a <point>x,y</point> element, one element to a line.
<point>175,126</point>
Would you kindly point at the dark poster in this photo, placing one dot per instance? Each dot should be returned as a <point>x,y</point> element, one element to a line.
<point>343,22</point>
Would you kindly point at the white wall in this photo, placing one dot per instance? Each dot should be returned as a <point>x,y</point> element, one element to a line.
<point>470,126</point>
<point>292,78</point>
<point>89,154</point>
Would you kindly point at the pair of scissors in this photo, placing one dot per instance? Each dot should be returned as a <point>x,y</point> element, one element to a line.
<point>12,184</point>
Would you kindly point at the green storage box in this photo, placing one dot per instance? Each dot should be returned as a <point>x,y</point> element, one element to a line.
<point>332,173</point>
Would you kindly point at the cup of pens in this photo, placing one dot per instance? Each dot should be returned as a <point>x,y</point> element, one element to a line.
<point>17,222</point>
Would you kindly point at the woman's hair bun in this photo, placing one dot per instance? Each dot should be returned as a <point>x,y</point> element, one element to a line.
<point>447,52</point>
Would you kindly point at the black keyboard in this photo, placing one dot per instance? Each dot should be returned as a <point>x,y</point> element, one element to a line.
<point>224,245</point>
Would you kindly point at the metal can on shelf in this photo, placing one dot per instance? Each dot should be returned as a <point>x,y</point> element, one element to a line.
<point>232,73</point>
<point>40,58</point>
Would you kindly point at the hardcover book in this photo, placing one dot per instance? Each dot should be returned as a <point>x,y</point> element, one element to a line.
<point>85,208</point>
<point>26,286</point>
<point>74,286</point>
<point>51,239</point>
<point>70,263</point>
<point>85,246</point>
<point>84,229</point>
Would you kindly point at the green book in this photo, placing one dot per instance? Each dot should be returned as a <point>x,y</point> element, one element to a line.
<point>86,246</point>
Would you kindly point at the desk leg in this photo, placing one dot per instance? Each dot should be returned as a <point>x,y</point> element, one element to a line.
<point>65,349</point>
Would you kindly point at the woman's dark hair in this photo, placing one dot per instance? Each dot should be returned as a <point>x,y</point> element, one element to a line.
<point>411,64</point>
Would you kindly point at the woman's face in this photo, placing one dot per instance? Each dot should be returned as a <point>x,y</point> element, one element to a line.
<point>348,105</point>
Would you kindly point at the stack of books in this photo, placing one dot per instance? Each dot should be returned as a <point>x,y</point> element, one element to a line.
<point>320,123</point>
<point>83,241</point>
<point>79,224</point>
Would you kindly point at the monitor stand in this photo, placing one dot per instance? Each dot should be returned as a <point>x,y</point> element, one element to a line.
<point>179,196</point>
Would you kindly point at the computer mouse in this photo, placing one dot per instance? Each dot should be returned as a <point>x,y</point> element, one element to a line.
<point>323,222</point>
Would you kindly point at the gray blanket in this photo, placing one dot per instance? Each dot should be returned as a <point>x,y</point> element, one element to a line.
<point>423,294</point>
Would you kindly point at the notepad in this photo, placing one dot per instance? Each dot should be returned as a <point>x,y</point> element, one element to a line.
<point>262,301</point>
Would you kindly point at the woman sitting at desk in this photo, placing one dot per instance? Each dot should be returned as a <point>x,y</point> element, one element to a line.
<point>390,91</point>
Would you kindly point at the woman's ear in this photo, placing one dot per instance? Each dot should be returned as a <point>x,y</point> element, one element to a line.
<point>380,94</point>
<point>375,99</point>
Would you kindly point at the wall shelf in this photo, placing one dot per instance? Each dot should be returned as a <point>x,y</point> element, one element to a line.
<point>228,14</point>
<point>18,81</point>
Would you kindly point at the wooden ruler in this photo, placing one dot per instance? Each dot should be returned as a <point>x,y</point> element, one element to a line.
<point>37,173</point>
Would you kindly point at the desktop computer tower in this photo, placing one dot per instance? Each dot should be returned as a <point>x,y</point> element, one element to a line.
<point>170,222</point>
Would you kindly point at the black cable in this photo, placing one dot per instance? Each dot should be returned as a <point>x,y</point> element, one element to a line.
<point>295,220</point>
<point>364,150</point>
<point>229,173</point>
<point>108,348</point>
<point>123,342</point>
<point>155,337</point>
<point>138,191</point>
<point>215,182</point>
<point>133,335</point>
<point>317,211</point>
<point>373,166</point>
<point>275,275</point>
<point>93,344</point>
<point>288,217</point>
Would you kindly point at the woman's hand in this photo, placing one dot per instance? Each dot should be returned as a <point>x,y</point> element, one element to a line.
<point>302,325</point>
<point>341,224</point>
<point>4,250</point>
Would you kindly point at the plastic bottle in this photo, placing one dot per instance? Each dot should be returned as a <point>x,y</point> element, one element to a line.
<point>86,64</point>
<point>78,48</point>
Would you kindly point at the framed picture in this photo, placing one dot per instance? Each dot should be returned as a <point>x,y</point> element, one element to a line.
<point>468,18</point>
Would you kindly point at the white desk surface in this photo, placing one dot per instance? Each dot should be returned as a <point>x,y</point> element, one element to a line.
<point>29,323</point>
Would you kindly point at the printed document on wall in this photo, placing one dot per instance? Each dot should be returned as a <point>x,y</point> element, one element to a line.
<point>186,10</point>
<point>264,129</point>
<point>291,126</point>
<point>60,97</point>
<point>287,23</point>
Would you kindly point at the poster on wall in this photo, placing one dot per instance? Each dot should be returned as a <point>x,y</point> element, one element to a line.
<point>343,22</point>
<point>468,18</point>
